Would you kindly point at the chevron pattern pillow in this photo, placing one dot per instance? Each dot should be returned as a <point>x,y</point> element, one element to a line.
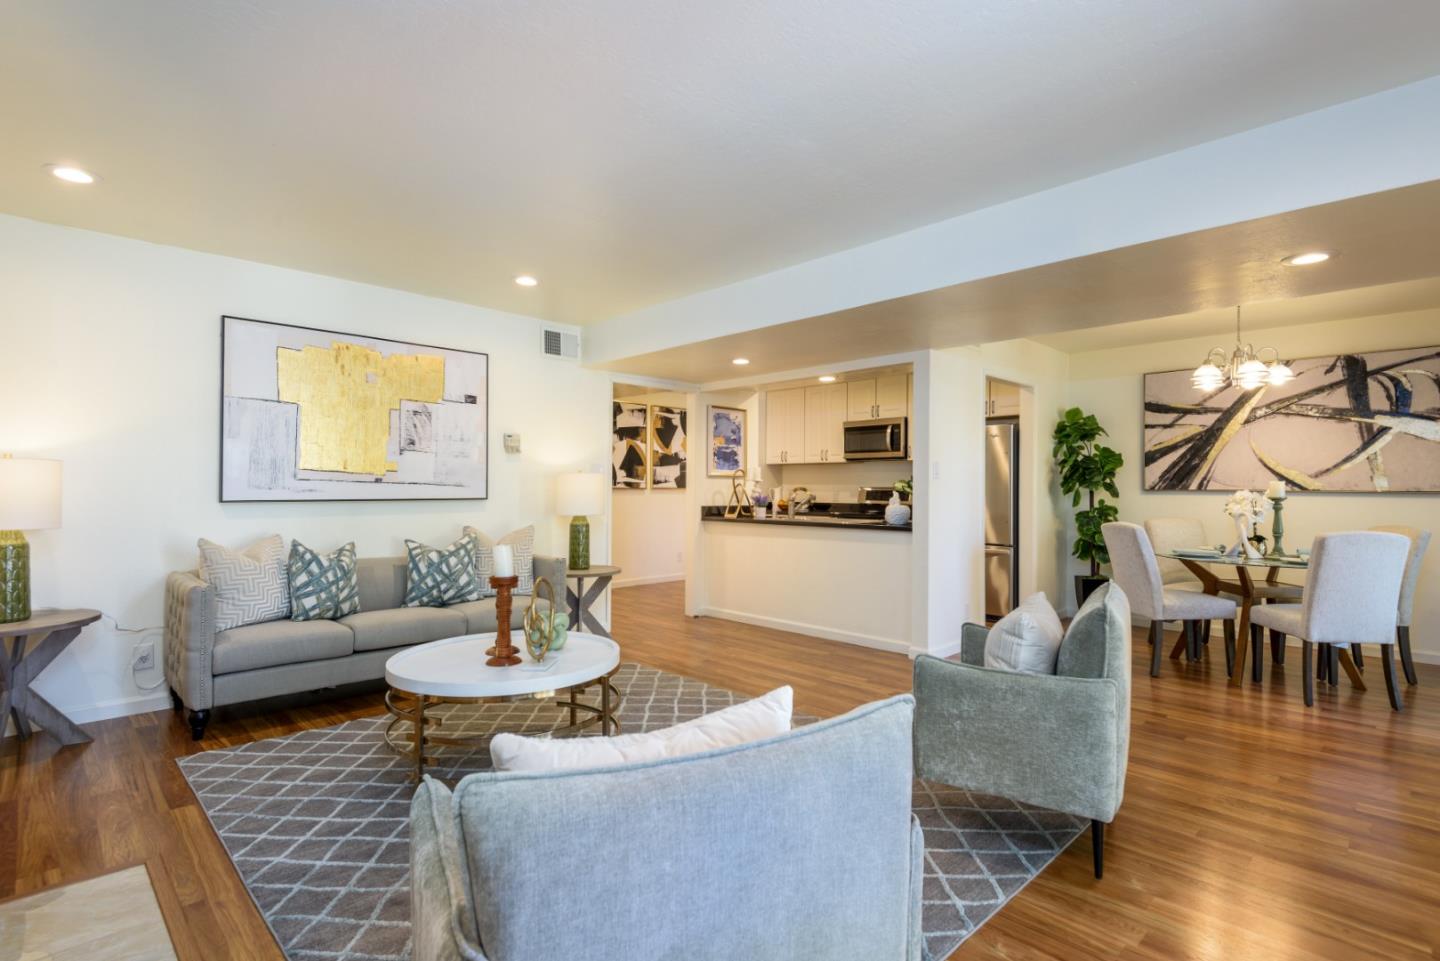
<point>323,586</point>
<point>249,585</point>
<point>437,576</point>
<point>523,541</point>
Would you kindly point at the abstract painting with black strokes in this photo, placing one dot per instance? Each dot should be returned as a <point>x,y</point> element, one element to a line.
<point>667,447</point>
<point>628,446</point>
<point>1363,423</point>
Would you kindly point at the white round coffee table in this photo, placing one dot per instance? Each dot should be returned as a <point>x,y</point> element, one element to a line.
<point>453,671</point>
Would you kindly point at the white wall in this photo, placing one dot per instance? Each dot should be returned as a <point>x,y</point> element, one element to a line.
<point>111,363</point>
<point>1108,384</point>
<point>649,528</point>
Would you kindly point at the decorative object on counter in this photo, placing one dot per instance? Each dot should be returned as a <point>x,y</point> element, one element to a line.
<point>629,451</point>
<point>1087,467</point>
<point>1325,430</point>
<point>896,513</point>
<point>29,501</point>
<point>578,496</point>
<point>667,447</point>
<point>503,653</point>
<point>1247,510</point>
<point>761,501</point>
<point>739,504</point>
<point>905,488</point>
<point>727,441</point>
<point>544,632</point>
<point>317,415</point>
<point>582,599</point>
<point>19,667</point>
<point>800,500</point>
<point>1275,493</point>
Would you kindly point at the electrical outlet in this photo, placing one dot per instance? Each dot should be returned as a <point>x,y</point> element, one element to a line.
<point>144,657</point>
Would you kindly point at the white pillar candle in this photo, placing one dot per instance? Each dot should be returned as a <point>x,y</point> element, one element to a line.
<point>504,560</point>
<point>1276,490</point>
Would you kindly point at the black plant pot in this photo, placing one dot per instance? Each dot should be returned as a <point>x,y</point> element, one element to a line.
<point>1087,584</point>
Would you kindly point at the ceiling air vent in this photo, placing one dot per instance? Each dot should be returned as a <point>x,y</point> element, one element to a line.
<point>560,343</point>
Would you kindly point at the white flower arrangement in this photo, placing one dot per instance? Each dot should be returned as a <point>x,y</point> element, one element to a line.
<point>1248,504</point>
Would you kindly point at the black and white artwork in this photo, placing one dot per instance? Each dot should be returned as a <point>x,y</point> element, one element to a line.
<point>667,447</point>
<point>1363,423</point>
<point>628,447</point>
<point>318,415</point>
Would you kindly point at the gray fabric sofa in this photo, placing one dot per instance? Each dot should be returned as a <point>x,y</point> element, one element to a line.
<point>800,847</point>
<point>206,669</point>
<point>1058,741</point>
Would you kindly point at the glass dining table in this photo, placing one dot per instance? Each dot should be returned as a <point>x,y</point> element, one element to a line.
<point>1244,587</point>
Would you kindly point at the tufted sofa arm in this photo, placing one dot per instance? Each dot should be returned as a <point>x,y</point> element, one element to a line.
<point>189,638</point>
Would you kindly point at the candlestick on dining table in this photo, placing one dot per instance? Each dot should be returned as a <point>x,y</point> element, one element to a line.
<point>1276,490</point>
<point>1277,527</point>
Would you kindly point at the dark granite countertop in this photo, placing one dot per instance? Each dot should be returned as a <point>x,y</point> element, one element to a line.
<point>717,514</point>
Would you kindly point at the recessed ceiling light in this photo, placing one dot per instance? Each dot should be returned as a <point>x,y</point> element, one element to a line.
<point>1306,259</point>
<point>525,280</point>
<point>72,175</point>
<point>740,361</point>
<point>827,378</point>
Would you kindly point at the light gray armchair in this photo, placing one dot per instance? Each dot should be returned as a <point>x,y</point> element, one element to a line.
<point>798,847</point>
<point>1060,742</point>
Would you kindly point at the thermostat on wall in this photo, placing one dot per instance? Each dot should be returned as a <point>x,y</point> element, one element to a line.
<point>512,443</point>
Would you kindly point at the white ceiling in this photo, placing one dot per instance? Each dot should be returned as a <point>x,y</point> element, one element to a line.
<point>1381,239</point>
<point>629,153</point>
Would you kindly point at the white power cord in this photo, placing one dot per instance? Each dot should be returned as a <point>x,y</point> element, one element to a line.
<point>135,657</point>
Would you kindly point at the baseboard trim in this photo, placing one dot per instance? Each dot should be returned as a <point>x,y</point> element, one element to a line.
<point>810,630</point>
<point>943,651</point>
<point>621,583</point>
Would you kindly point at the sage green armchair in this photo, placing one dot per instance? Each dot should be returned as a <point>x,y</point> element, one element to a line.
<point>1060,742</point>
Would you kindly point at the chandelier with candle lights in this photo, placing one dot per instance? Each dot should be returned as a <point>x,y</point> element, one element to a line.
<point>1243,368</point>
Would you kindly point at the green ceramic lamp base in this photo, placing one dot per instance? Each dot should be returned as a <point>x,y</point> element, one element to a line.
<point>579,543</point>
<point>14,577</point>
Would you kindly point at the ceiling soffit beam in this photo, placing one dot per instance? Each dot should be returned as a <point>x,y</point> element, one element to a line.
<point>1364,146</point>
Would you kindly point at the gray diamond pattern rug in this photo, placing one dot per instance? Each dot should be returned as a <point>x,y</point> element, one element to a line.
<point>317,823</point>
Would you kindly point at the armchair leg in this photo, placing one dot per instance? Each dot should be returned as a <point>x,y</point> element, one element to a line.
<point>198,720</point>
<point>1307,673</point>
<point>1229,628</point>
<point>1157,644</point>
<point>1097,842</point>
<point>1277,647</point>
<point>1402,637</point>
<point>1387,664</point>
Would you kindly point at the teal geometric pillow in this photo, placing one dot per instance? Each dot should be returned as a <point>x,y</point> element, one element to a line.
<point>322,586</point>
<point>437,576</point>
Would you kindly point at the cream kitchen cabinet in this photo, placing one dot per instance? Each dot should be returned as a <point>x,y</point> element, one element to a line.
<point>785,426</point>
<point>884,396</point>
<point>825,415</point>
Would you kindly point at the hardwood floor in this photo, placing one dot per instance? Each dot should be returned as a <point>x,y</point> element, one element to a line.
<point>1252,827</point>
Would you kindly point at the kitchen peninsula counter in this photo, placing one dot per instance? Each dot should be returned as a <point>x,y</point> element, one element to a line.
<point>801,521</point>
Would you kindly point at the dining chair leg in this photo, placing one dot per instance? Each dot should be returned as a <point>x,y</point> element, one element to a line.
<point>1204,636</point>
<point>1257,645</point>
<point>1307,654</point>
<point>1332,670</point>
<point>1357,657</point>
<point>1322,663</point>
<point>1157,644</point>
<point>1277,647</point>
<point>1229,629</point>
<point>1402,637</point>
<point>1387,664</point>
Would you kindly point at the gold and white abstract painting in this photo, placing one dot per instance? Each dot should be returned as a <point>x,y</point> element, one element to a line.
<point>319,415</point>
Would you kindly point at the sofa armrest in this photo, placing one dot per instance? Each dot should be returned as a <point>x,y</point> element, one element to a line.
<point>1046,740</point>
<point>553,569</point>
<point>442,915</point>
<point>189,638</point>
<point>915,937</point>
<point>972,644</point>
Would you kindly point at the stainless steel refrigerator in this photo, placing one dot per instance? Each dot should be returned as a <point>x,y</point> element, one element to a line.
<point>1002,513</point>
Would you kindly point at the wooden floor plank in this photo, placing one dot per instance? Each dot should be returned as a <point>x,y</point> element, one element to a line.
<point>1252,826</point>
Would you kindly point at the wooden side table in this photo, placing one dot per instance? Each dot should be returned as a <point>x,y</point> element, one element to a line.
<point>583,598</point>
<point>19,668</point>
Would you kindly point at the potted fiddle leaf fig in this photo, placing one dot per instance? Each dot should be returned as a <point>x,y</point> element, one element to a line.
<point>1087,468</point>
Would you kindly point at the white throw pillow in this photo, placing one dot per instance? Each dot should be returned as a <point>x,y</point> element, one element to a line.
<point>523,541</point>
<point>1027,640</point>
<point>754,720</point>
<point>250,586</point>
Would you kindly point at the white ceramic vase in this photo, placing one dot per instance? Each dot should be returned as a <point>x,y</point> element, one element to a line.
<point>896,513</point>
<point>1243,530</point>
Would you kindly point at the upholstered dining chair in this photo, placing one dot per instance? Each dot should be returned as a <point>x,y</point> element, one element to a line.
<point>1133,562</point>
<point>1405,615</point>
<point>1352,596</point>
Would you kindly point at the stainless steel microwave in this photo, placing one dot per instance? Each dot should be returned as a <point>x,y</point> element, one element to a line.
<point>880,439</point>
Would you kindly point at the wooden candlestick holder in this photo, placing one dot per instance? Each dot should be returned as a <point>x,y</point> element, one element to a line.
<point>503,654</point>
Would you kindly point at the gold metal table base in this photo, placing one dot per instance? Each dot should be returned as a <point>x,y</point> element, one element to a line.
<point>412,708</point>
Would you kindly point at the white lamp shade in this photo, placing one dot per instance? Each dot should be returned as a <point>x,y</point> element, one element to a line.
<point>580,495</point>
<point>29,494</point>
